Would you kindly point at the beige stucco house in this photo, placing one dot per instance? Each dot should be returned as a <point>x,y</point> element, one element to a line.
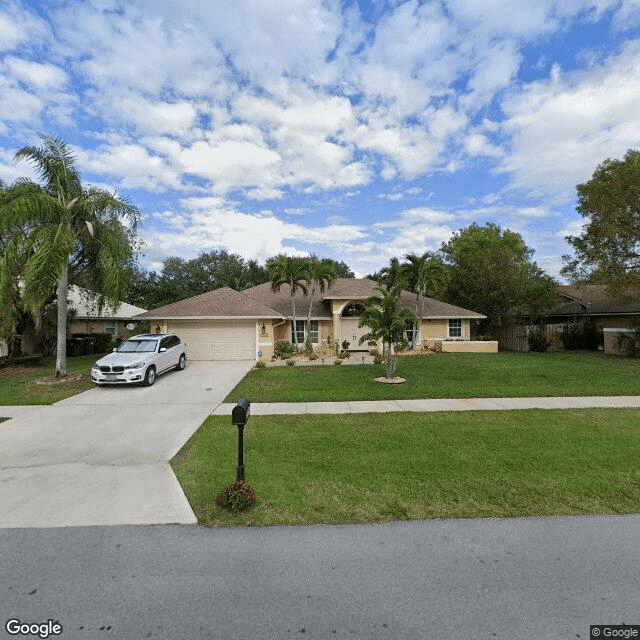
<point>229,325</point>
<point>90,319</point>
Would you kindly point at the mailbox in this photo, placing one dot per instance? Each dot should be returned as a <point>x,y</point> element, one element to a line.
<point>241,412</point>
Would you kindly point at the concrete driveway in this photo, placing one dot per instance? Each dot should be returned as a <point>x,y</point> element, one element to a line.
<point>102,457</point>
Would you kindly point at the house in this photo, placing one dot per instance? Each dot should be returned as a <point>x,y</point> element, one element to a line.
<point>591,303</point>
<point>229,325</point>
<point>88,318</point>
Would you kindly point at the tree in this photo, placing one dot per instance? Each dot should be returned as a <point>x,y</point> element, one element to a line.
<point>426,277</point>
<point>294,272</point>
<point>387,322</point>
<point>491,271</point>
<point>321,274</point>
<point>83,234</point>
<point>608,249</point>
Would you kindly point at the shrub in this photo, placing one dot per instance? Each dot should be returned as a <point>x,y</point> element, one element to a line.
<point>337,361</point>
<point>313,356</point>
<point>581,336</point>
<point>236,496</point>
<point>538,340</point>
<point>378,358</point>
<point>260,364</point>
<point>345,345</point>
<point>403,345</point>
<point>344,354</point>
<point>291,362</point>
<point>284,349</point>
<point>104,342</point>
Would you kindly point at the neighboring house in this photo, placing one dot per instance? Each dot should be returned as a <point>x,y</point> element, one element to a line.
<point>89,319</point>
<point>591,303</point>
<point>229,325</point>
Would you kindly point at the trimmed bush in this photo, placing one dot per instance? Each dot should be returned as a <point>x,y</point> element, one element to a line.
<point>236,496</point>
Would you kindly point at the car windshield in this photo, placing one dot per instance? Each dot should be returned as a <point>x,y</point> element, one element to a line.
<point>138,345</point>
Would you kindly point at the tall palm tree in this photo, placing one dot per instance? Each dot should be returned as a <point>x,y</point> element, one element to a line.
<point>424,275</point>
<point>294,272</point>
<point>321,274</point>
<point>386,321</point>
<point>87,233</point>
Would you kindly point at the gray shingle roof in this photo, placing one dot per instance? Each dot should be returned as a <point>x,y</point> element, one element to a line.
<point>219,303</point>
<point>594,300</point>
<point>261,302</point>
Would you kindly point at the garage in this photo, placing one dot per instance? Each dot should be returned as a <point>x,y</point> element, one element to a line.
<point>212,340</point>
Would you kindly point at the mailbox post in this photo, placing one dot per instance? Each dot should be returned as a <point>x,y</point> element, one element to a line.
<point>239,417</point>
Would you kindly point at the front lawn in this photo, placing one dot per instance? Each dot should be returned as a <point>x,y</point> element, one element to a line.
<point>19,382</point>
<point>381,467</point>
<point>449,375</point>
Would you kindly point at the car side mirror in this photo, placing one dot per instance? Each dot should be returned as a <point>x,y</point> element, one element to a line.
<point>163,349</point>
<point>115,349</point>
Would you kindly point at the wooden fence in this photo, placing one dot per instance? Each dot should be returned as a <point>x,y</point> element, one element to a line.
<point>516,338</point>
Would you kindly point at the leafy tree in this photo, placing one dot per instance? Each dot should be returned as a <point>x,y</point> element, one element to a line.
<point>426,276</point>
<point>491,271</point>
<point>342,269</point>
<point>180,278</point>
<point>608,249</point>
<point>86,235</point>
<point>387,322</point>
<point>392,275</point>
<point>294,272</point>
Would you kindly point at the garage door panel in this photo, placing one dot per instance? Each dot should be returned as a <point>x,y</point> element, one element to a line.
<point>217,340</point>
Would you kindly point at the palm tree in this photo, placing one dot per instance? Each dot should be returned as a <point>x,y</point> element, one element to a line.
<point>425,275</point>
<point>387,323</point>
<point>85,233</point>
<point>321,274</point>
<point>393,275</point>
<point>294,272</point>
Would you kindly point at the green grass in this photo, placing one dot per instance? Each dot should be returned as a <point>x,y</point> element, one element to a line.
<point>19,383</point>
<point>382,467</point>
<point>449,375</point>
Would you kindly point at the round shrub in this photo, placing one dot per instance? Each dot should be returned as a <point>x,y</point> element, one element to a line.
<point>236,497</point>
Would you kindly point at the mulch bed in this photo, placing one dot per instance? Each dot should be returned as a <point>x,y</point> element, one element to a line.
<point>53,380</point>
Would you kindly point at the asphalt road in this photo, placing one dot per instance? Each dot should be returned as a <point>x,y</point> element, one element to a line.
<point>529,578</point>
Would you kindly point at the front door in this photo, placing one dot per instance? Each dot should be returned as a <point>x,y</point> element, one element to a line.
<point>351,332</point>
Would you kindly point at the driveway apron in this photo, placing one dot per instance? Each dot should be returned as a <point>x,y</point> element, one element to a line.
<point>102,457</point>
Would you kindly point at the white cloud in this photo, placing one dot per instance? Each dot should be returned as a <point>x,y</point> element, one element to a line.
<point>564,127</point>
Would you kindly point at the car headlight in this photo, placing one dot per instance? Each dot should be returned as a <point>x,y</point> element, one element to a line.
<point>95,365</point>
<point>135,365</point>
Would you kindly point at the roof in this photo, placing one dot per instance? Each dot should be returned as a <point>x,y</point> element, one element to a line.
<point>261,302</point>
<point>86,304</point>
<point>593,299</point>
<point>219,303</point>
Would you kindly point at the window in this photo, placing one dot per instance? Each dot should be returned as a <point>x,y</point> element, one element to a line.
<point>301,326</point>
<point>455,328</point>
<point>409,331</point>
<point>110,327</point>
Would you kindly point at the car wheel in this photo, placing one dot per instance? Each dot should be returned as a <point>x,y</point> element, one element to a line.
<point>150,376</point>
<point>182,363</point>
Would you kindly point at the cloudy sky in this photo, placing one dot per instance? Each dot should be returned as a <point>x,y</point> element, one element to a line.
<point>356,130</point>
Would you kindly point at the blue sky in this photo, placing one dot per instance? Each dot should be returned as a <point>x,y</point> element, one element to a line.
<point>354,130</point>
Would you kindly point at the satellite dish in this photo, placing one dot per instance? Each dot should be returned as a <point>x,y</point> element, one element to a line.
<point>131,326</point>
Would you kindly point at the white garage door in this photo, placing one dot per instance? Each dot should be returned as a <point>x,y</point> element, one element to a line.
<point>217,340</point>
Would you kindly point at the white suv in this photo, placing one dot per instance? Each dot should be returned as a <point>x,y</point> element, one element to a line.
<point>141,359</point>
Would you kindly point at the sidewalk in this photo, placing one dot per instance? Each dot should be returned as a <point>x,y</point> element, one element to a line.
<point>467,404</point>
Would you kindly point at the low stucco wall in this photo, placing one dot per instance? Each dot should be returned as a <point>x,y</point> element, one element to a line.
<point>470,346</point>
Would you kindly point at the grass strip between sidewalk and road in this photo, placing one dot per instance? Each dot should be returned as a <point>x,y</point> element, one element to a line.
<point>449,375</point>
<point>383,467</point>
